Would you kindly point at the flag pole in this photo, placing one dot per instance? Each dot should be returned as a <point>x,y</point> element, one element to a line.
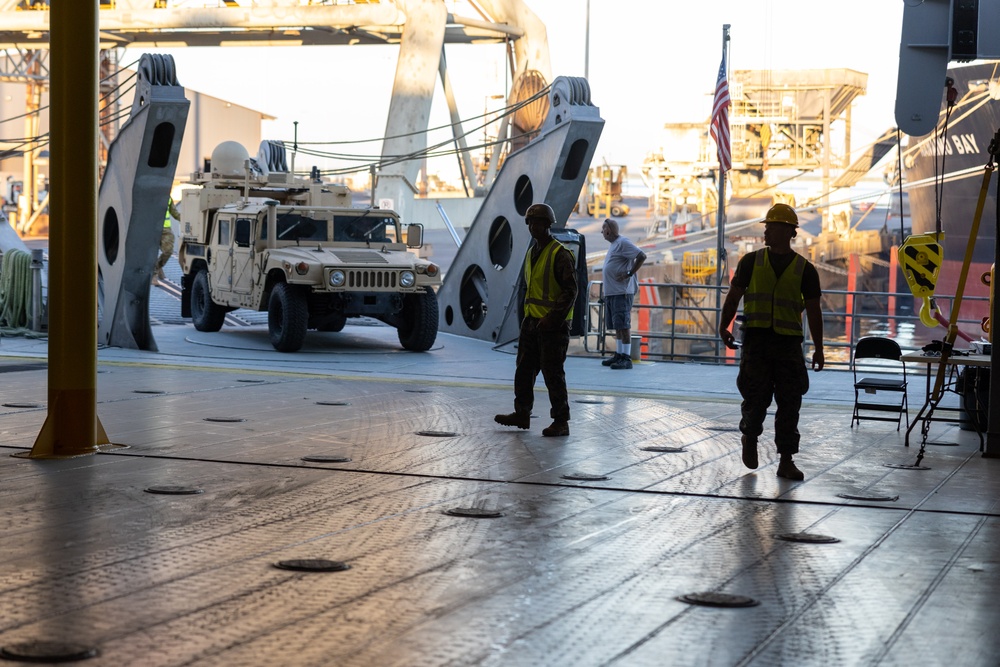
<point>720,221</point>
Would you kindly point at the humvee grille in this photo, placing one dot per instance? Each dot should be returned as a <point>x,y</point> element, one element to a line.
<point>363,279</point>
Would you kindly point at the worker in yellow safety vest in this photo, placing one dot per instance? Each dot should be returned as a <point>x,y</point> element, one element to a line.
<point>550,279</point>
<point>166,242</point>
<point>775,284</point>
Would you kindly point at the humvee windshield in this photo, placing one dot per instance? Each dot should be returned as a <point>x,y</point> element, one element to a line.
<point>363,227</point>
<point>297,227</point>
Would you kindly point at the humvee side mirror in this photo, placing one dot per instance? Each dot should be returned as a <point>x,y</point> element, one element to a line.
<point>414,235</point>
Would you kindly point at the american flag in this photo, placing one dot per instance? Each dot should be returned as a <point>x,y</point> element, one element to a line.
<point>720,119</point>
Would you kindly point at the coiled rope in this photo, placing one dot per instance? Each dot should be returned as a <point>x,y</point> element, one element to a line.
<point>15,292</point>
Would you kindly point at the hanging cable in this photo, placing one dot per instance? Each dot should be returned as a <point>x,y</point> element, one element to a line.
<point>122,68</point>
<point>107,120</point>
<point>24,115</point>
<point>108,102</point>
<point>104,97</point>
<point>899,179</point>
<point>942,145</point>
<point>380,161</point>
<point>494,116</point>
<point>26,140</point>
<point>18,150</point>
<point>343,171</point>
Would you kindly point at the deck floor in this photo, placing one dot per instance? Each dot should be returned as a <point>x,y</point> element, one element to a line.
<point>572,572</point>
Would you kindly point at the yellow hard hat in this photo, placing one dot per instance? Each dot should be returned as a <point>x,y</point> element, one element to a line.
<point>782,213</point>
<point>540,212</point>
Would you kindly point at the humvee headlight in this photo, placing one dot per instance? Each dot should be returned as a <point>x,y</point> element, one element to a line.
<point>337,278</point>
<point>407,279</point>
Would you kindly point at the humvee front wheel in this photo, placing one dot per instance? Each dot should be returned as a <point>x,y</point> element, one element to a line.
<point>418,323</point>
<point>287,318</point>
<point>205,313</point>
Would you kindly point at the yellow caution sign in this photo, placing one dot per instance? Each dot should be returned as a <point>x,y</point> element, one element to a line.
<point>920,257</point>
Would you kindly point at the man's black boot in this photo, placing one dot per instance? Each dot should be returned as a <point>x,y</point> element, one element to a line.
<point>787,469</point>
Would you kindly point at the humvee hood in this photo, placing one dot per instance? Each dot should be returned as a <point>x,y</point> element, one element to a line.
<point>344,256</point>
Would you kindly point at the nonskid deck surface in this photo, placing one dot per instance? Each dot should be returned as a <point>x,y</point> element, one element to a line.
<point>571,571</point>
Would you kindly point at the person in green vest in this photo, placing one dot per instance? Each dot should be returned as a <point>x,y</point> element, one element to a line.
<point>775,284</point>
<point>550,279</point>
<point>166,242</point>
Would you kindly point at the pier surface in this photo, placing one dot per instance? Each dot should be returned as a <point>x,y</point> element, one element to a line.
<point>595,542</point>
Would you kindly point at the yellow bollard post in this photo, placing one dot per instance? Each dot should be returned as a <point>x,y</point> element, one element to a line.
<point>72,427</point>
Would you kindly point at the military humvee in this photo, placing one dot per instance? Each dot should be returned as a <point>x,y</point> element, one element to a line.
<point>254,236</point>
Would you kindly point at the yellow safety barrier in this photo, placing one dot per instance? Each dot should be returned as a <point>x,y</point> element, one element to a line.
<point>920,258</point>
<point>698,265</point>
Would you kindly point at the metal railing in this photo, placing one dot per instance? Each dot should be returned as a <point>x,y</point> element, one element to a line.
<point>685,327</point>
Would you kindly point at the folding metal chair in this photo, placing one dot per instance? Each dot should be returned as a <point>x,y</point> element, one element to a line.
<point>877,360</point>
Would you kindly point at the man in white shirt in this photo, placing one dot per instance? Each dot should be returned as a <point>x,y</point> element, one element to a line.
<point>620,284</point>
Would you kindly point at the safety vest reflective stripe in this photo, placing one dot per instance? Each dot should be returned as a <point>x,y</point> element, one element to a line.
<point>543,290</point>
<point>772,302</point>
<point>166,215</point>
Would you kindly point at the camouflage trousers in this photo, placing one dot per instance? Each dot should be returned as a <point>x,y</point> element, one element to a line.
<point>545,352</point>
<point>773,369</point>
<point>166,250</point>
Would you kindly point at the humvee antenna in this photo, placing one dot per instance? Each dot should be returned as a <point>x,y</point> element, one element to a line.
<point>295,145</point>
<point>246,182</point>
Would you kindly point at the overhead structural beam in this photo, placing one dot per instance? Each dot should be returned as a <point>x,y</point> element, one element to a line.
<point>263,23</point>
<point>531,51</point>
<point>204,18</point>
<point>464,158</point>
<point>24,66</point>
<point>511,31</point>
<point>409,110</point>
<point>413,89</point>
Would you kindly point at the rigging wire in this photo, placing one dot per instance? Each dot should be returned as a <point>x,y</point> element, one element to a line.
<point>18,150</point>
<point>107,120</point>
<point>506,111</point>
<point>899,179</point>
<point>343,171</point>
<point>123,68</point>
<point>432,151</point>
<point>492,115</point>
<point>102,98</point>
<point>26,114</point>
<point>108,102</point>
<point>14,140</point>
<point>940,142</point>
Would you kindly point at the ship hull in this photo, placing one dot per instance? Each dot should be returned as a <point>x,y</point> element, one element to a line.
<point>965,153</point>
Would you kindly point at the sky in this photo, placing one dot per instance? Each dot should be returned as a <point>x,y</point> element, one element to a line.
<point>650,62</point>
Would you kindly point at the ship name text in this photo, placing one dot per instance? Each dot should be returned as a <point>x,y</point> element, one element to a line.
<point>963,144</point>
